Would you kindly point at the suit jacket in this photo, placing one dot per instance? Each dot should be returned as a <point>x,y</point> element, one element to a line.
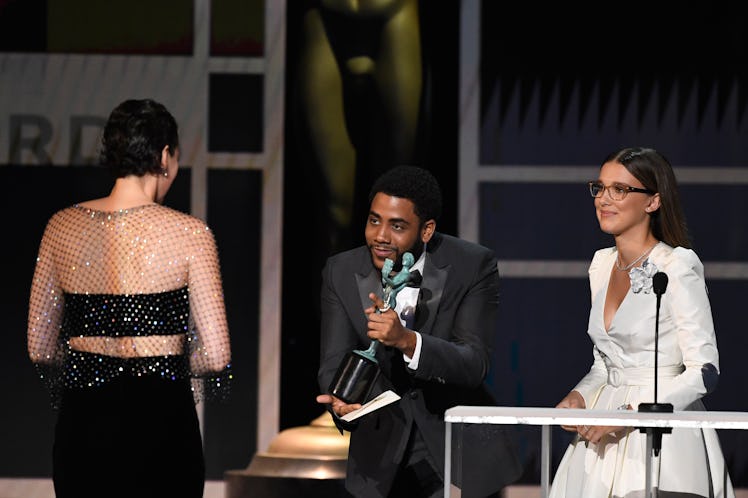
<point>456,317</point>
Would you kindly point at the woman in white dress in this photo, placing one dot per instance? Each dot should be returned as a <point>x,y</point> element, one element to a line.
<point>636,201</point>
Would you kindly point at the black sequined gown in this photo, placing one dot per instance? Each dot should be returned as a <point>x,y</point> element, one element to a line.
<point>127,328</point>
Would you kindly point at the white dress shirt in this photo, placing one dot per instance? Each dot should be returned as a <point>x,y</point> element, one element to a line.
<point>407,299</point>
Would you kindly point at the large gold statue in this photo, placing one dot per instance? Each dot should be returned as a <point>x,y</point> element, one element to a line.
<point>359,85</point>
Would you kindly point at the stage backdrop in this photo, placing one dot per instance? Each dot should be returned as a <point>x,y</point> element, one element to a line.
<point>543,95</point>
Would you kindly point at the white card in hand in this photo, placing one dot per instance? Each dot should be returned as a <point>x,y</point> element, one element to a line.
<point>383,399</point>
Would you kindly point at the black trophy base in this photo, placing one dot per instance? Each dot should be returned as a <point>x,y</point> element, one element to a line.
<point>355,378</point>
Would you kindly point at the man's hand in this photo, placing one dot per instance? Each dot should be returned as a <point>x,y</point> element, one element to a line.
<point>340,407</point>
<point>386,327</point>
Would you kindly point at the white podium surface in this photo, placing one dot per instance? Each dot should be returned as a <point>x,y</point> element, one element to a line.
<point>546,417</point>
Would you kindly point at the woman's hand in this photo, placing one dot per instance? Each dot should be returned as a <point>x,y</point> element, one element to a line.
<point>592,433</point>
<point>572,400</point>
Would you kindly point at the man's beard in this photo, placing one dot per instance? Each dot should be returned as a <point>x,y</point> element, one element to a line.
<point>416,250</point>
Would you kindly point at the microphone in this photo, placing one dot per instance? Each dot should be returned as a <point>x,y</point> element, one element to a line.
<point>659,285</point>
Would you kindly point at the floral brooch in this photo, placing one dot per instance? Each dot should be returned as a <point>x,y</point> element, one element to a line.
<point>641,277</point>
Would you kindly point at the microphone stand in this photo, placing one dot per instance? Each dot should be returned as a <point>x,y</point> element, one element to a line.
<point>654,434</point>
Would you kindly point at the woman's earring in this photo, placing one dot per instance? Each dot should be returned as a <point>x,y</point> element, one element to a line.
<point>166,173</point>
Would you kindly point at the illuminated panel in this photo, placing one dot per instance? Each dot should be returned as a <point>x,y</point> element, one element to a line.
<point>126,27</point>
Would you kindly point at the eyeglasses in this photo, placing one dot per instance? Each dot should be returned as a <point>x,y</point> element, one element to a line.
<point>616,191</point>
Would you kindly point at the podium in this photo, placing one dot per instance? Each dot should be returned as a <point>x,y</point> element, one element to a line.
<point>547,417</point>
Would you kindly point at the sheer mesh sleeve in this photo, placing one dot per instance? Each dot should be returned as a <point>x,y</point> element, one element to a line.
<point>209,349</point>
<point>46,305</point>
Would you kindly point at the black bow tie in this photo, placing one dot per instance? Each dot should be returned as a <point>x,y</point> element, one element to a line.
<point>415,279</point>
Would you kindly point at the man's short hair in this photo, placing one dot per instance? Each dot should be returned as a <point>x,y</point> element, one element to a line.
<point>416,184</point>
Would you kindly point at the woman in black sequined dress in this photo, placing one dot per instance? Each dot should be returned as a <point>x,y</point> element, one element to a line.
<point>127,325</point>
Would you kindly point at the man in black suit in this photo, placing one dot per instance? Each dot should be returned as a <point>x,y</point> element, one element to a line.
<point>435,358</point>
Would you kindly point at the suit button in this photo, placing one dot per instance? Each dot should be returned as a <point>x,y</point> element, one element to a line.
<point>413,394</point>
